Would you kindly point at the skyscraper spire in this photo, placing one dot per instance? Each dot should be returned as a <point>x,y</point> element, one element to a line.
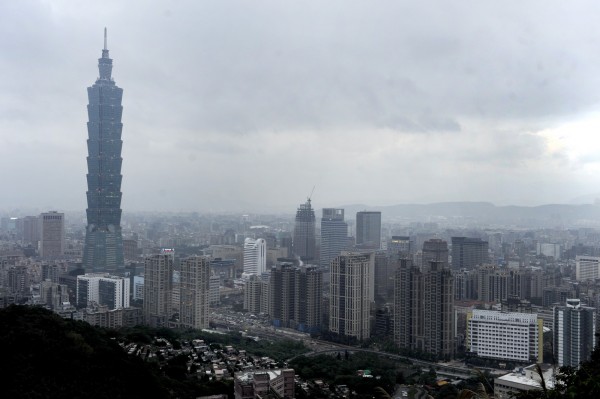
<point>103,251</point>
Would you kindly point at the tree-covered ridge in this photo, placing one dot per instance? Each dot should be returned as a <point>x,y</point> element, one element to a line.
<point>45,356</point>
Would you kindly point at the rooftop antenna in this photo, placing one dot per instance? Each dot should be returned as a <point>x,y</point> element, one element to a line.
<point>105,38</point>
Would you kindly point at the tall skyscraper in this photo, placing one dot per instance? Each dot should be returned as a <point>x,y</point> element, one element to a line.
<point>408,305</point>
<point>309,293</point>
<point>424,308</point>
<point>334,235</point>
<point>467,253</point>
<point>158,287</point>
<point>31,229</point>
<point>103,250</point>
<point>574,329</point>
<point>351,294</point>
<point>304,232</point>
<point>368,229</point>
<point>384,277</point>
<point>282,290</point>
<point>295,297</point>
<point>255,256</point>
<point>52,237</point>
<point>194,282</point>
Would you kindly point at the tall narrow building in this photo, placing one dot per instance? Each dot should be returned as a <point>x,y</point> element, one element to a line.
<point>368,229</point>
<point>255,256</point>
<point>438,310</point>
<point>334,235</point>
<point>103,250</point>
<point>194,283</point>
<point>304,232</point>
<point>351,294</point>
<point>424,308</point>
<point>158,289</point>
<point>52,235</point>
<point>574,329</point>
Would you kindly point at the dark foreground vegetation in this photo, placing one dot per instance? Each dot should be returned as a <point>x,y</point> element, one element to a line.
<point>45,356</point>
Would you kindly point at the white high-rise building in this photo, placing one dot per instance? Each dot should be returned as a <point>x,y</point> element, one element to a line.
<point>113,291</point>
<point>587,267</point>
<point>255,256</point>
<point>194,294</point>
<point>87,289</point>
<point>52,235</point>
<point>103,289</point>
<point>505,336</point>
<point>351,294</point>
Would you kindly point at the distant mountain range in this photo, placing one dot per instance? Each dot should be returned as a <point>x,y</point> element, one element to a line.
<point>486,212</point>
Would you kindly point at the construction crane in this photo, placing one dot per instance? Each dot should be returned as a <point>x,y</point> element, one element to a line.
<point>311,193</point>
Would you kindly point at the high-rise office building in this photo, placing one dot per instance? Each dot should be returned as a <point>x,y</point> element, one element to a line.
<point>334,235</point>
<point>103,250</point>
<point>113,291</point>
<point>158,287</point>
<point>467,253</point>
<point>194,296</point>
<point>52,237</point>
<point>399,247</point>
<point>304,232</point>
<point>351,294</point>
<point>434,250</point>
<point>574,329</point>
<point>103,289</point>
<point>368,229</point>
<point>31,229</point>
<point>255,256</point>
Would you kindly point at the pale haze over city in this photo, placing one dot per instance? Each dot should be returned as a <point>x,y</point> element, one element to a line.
<point>300,199</point>
<point>245,106</point>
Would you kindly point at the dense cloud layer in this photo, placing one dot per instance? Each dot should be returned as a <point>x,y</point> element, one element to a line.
<point>236,105</point>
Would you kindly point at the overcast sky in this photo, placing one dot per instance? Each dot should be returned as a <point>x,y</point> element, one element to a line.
<point>246,105</point>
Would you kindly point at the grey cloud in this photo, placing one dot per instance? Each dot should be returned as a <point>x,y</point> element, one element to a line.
<point>232,82</point>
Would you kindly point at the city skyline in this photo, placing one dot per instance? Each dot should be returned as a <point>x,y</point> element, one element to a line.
<point>503,103</point>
